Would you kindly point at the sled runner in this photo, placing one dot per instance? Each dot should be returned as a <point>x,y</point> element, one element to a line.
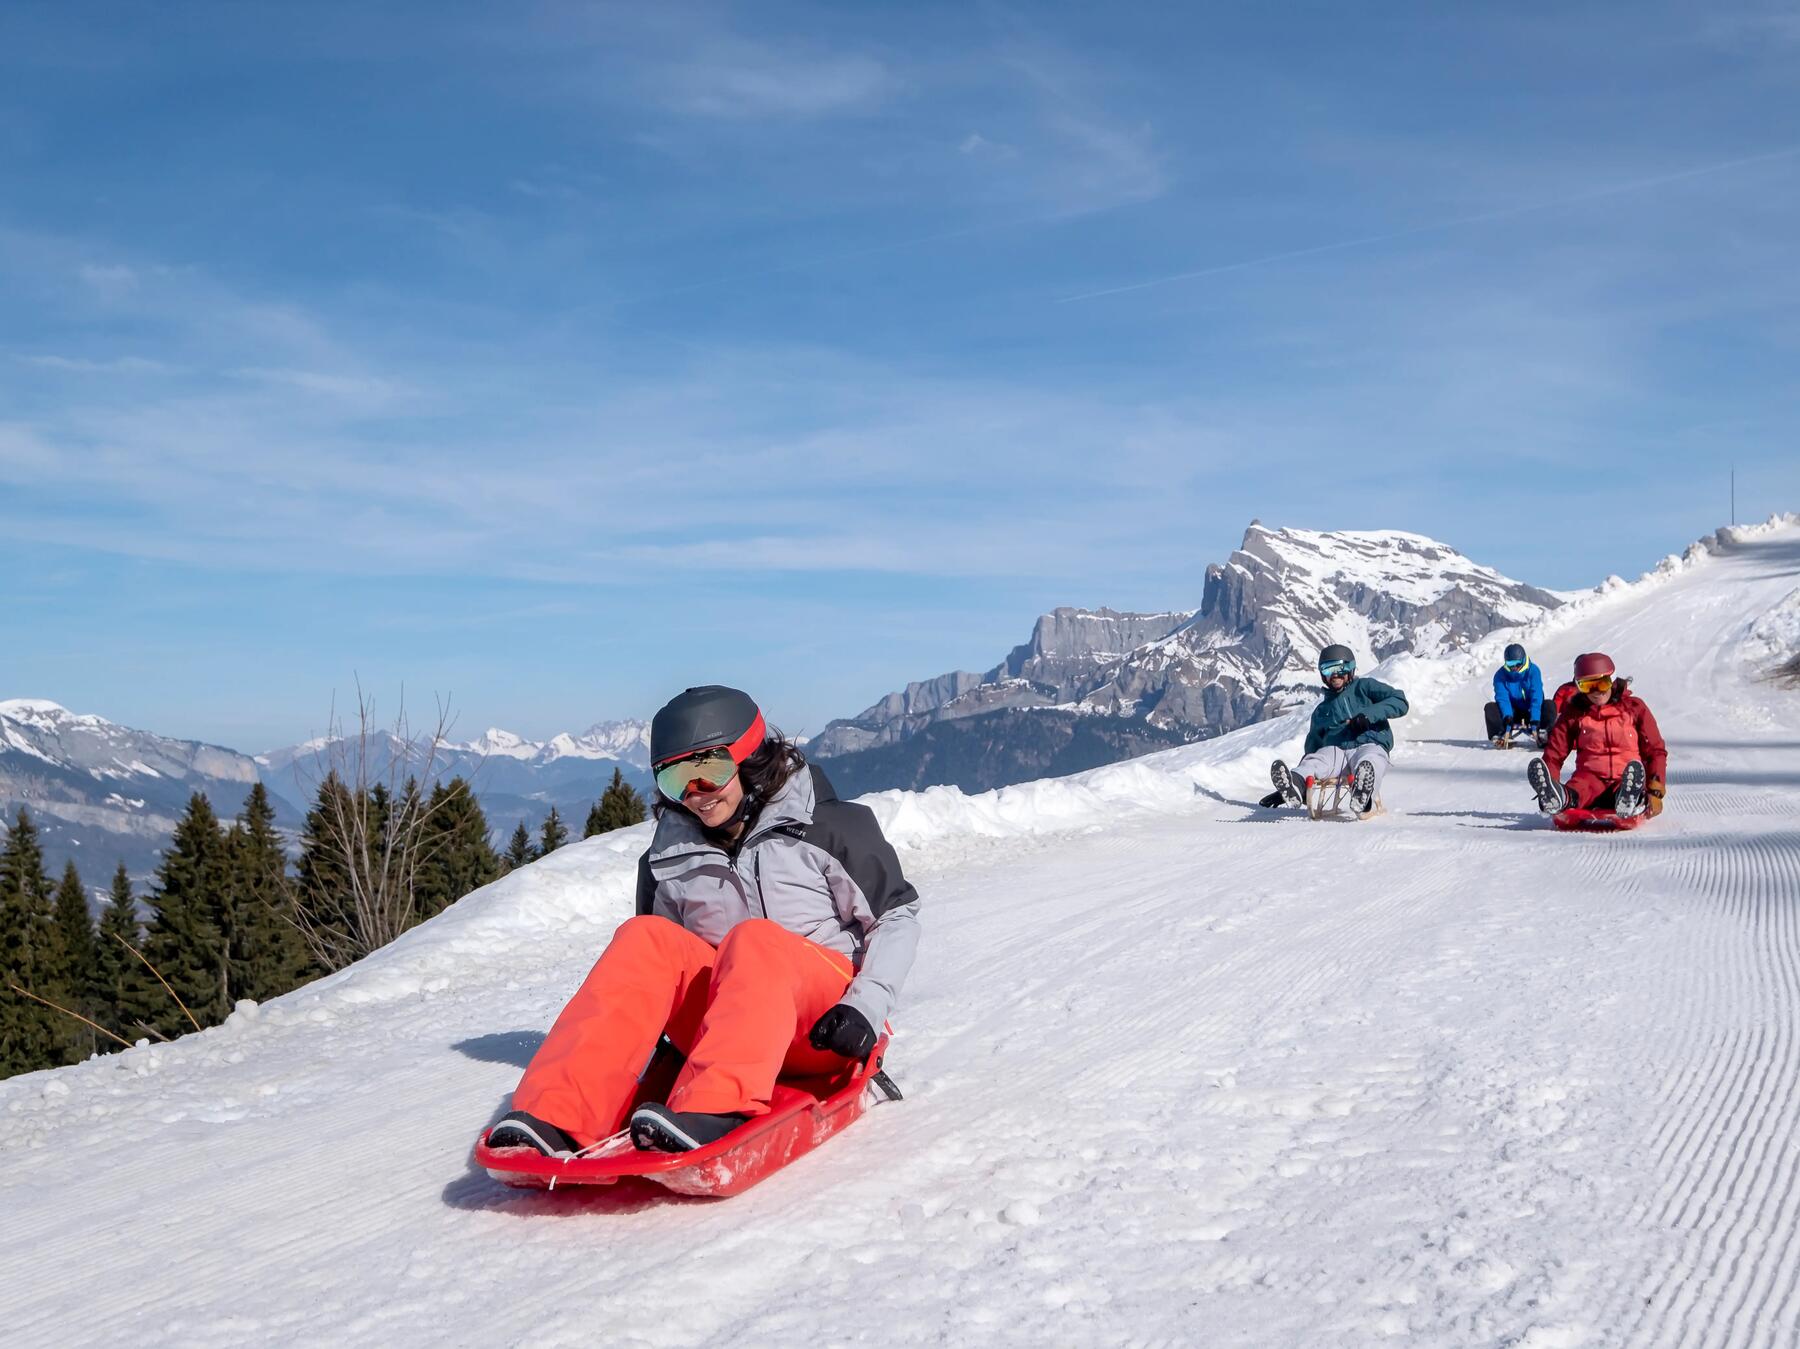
<point>1329,799</point>
<point>803,1113</point>
<point>1521,737</point>
<point>1596,821</point>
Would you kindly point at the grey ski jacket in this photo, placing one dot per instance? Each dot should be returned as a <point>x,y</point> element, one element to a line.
<point>817,865</point>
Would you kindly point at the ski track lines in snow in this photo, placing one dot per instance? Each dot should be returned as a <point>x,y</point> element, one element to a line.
<point>1177,1072</point>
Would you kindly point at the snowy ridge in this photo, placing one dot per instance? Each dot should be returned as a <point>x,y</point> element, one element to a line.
<point>1244,656</point>
<point>102,793</point>
<point>1444,1079</point>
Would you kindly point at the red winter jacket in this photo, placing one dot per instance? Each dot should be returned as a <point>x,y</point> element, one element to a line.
<point>1606,736</point>
<point>1563,694</point>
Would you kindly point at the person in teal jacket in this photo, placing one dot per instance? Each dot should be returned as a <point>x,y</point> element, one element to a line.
<point>1349,735</point>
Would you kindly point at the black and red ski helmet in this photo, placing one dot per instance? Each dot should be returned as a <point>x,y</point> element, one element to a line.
<point>709,717</point>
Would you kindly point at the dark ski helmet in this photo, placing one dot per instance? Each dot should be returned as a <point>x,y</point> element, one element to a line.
<point>1592,665</point>
<point>709,717</point>
<point>1515,654</point>
<point>1336,659</point>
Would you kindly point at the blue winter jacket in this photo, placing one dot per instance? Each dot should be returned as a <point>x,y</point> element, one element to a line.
<point>1519,695</point>
<point>1374,699</point>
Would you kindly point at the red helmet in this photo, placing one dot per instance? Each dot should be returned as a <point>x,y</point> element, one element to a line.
<point>1593,665</point>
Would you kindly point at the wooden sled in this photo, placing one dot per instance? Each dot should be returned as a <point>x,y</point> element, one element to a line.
<point>1329,799</point>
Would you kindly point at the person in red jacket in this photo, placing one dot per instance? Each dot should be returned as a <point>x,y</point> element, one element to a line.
<point>1621,761</point>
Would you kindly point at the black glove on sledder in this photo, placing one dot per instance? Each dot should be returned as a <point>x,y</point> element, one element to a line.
<point>843,1030</point>
<point>1356,725</point>
<point>1272,800</point>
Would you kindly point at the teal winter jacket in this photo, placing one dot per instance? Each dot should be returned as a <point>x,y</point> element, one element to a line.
<point>1374,699</point>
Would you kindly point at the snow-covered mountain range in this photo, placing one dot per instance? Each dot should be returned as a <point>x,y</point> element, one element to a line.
<point>102,793</point>
<point>515,778</point>
<point>1095,685</point>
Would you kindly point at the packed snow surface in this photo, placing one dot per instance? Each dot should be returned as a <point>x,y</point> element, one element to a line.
<point>1177,1071</point>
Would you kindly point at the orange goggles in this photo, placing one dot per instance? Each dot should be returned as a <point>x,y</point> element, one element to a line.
<point>1595,684</point>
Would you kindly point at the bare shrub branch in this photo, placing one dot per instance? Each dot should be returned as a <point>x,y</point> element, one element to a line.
<point>372,795</point>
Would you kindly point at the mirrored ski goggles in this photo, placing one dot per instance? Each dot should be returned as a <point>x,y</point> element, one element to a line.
<point>1517,665</point>
<point>707,771</point>
<point>1331,669</point>
<point>1595,684</point>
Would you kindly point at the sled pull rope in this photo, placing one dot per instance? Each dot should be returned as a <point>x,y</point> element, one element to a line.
<point>597,1146</point>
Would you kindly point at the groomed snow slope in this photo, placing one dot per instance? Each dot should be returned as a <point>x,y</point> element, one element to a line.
<point>1178,1071</point>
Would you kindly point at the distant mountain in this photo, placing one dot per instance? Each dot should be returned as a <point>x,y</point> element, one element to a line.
<point>514,778</point>
<point>1092,679</point>
<point>101,793</point>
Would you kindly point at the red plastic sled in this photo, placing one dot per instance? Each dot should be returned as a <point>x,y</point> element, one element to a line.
<point>1596,821</point>
<point>803,1113</point>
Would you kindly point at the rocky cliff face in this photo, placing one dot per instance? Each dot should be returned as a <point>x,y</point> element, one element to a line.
<point>1247,653</point>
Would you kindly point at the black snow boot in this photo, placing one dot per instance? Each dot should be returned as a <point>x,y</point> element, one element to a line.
<point>1362,788</point>
<point>1629,799</point>
<point>1291,791</point>
<point>519,1130</point>
<point>656,1128</point>
<point>1551,798</point>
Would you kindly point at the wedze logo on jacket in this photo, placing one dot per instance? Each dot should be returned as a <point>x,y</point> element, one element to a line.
<point>817,865</point>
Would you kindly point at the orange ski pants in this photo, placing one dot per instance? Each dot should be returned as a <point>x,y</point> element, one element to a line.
<point>740,1012</point>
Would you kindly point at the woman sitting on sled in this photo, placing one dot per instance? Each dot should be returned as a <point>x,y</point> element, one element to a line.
<point>773,932</point>
<point>1621,761</point>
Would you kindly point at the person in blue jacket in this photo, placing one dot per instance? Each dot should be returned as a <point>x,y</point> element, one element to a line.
<point>1519,703</point>
<point>1349,735</point>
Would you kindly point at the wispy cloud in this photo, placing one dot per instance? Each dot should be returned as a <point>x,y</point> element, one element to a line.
<point>1598,193</point>
<point>118,365</point>
<point>739,78</point>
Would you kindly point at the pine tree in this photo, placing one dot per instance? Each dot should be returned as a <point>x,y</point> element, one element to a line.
<point>267,953</point>
<point>455,856</point>
<point>553,835</point>
<point>74,978</point>
<point>123,986</point>
<point>27,1033</point>
<point>619,805</point>
<point>187,937</point>
<point>519,851</point>
<point>324,893</point>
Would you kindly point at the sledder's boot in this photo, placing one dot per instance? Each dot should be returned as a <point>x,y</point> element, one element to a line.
<point>1550,795</point>
<point>656,1128</point>
<point>1291,792</point>
<point>1362,788</point>
<point>1629,799</point>
<point>1498,742</point>
<point>519,1130</point>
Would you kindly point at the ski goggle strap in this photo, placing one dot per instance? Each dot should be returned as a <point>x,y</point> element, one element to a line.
<point>707,771</point>
<point>1337,667</point>
<point>1595,684</point>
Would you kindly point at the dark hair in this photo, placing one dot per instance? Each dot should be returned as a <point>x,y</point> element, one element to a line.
<point>768,769</point>
<point>764,773</point>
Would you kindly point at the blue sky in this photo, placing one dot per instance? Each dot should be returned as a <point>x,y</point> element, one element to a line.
<point>553,356</point>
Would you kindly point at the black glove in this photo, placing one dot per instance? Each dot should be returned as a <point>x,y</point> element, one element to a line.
<point>843,1030</point>
<point>1272,800</point>
<point>1357,725</point>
